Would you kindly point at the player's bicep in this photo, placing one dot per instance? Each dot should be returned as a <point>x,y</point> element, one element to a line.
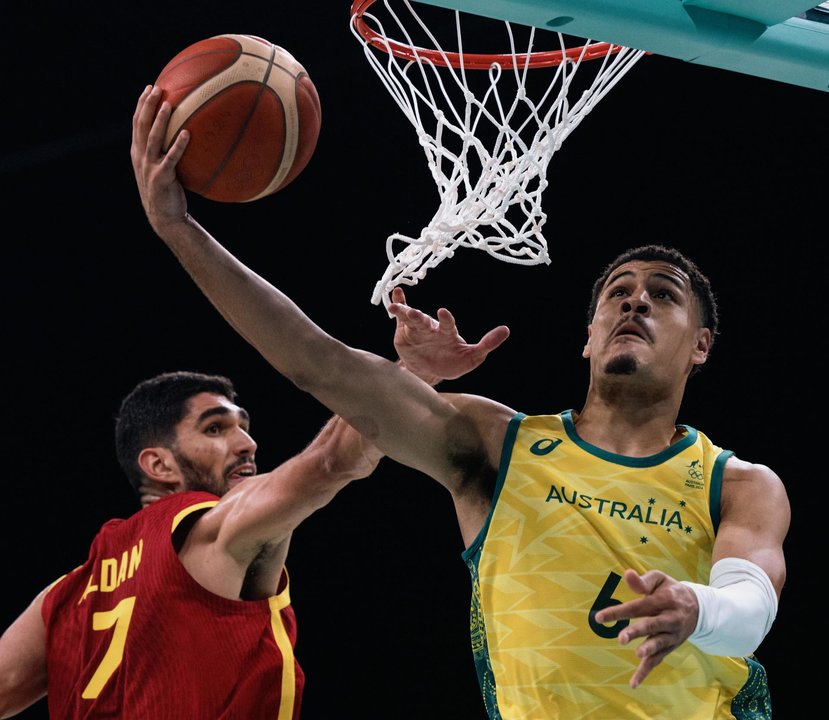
<point>755,518</point>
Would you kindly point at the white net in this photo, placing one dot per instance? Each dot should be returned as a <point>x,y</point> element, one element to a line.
<point>488,134</point>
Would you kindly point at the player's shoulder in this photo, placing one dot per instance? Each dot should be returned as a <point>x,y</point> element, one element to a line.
<point>753,476</point>
<point>739,468</point>
<point>479,406</point>
<point>752,491</point>
<point>163,511</point>
<point>183,499</point>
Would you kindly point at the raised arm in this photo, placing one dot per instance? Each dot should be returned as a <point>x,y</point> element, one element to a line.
<point>433,350</point>
<point>404,416</point>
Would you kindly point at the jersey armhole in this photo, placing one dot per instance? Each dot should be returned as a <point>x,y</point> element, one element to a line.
<point>715,492</point>
<point>503,466</point>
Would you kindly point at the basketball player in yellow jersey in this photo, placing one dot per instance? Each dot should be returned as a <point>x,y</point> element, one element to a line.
<point>624,566</point>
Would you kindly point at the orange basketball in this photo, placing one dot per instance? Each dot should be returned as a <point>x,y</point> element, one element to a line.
<point>252,112</point>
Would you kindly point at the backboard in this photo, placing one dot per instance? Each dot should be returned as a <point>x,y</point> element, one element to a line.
<point>784,40</point>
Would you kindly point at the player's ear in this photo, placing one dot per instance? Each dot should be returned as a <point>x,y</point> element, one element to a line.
<point>159,465</point>
<point>701,347</point>
<point>586,352</point>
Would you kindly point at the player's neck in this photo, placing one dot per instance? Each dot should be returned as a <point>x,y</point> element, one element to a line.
<point>635,431</point>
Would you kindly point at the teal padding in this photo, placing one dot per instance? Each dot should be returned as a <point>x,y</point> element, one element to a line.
<point>765,38</point>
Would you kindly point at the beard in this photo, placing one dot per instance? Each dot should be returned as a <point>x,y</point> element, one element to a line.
<point>621,365</point>
<point>197,479</point>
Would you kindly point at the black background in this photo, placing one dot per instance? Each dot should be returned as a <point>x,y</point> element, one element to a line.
<point>729,168</point>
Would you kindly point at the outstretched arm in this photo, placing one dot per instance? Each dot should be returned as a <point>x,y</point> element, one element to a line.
<point>402,415</point>
<point>432,350</point>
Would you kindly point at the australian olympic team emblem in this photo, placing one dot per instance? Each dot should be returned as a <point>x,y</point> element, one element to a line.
<point>696,475</point>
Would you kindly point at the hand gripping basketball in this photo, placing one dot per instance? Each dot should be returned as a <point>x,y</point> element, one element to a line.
<point>252,111</point>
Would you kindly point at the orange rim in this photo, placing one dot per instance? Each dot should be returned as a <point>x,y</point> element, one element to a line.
<point>473,61</point>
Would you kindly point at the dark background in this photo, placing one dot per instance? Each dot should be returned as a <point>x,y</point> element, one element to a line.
<point>729,168</point>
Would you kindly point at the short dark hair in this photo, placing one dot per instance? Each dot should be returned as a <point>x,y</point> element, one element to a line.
<point>150,412</point>
<point>700,285</point>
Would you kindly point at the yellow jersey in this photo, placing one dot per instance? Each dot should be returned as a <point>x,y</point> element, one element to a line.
<point>567,519</point>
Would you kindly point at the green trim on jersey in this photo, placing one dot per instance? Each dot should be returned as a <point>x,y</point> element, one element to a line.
<point>716,487</point>
<point>689,439</point>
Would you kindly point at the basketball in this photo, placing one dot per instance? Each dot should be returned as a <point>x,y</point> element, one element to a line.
<point>252,111</point>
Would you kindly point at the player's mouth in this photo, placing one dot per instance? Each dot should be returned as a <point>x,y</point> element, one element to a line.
<point>631,329</point>
<point>241,471</point>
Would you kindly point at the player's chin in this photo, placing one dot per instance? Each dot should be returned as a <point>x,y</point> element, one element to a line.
<point>622,364</point>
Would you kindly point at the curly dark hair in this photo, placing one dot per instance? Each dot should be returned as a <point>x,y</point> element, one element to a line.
<point>700,285</point>
<point>150,412</point>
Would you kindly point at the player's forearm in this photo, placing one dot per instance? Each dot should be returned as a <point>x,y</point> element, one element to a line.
<point>347,455</point>
<point>386,403</point>
<point>736,610</point>
<point>258,311</point>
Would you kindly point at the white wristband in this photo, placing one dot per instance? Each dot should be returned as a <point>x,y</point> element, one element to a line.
<point>736,608</point>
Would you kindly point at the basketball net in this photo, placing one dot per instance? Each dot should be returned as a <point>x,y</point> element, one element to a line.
<point>487,141</point>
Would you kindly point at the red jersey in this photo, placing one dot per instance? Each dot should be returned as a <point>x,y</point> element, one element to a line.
<point>131,635</point>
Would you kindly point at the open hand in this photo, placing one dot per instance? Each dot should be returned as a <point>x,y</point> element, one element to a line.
<point>432,348</point>
<point>667,614</point>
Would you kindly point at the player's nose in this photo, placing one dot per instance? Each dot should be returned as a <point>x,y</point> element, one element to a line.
<point>639,303</point>
<point>244,443</point>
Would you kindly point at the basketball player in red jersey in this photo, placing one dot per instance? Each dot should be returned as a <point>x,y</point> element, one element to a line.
<point>182,611</point>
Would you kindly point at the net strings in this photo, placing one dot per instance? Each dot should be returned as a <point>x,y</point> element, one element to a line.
<point>487,143</point>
